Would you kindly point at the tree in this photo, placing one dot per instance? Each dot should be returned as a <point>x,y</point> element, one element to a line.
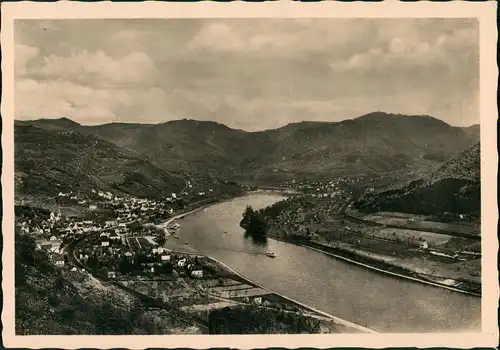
<point>125,265</point>
<point>247,215</point>
<point>167,268</point>
<point>254,222</point>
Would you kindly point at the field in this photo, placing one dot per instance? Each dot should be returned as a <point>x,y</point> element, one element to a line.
<point>368,244</point>
<point>200,297</point>
<point>420,223</point>
<point>402,234</point>
<point>139,242</point>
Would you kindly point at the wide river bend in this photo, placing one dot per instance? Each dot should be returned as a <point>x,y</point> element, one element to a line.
<point>374,300</point>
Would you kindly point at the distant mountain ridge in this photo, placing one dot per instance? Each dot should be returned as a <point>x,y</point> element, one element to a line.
<point>374,143</point>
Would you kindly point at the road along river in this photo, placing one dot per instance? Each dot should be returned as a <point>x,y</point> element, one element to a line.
<point>381,302</point>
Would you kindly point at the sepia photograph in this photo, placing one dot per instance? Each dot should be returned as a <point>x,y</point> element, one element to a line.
<point>255,175</point>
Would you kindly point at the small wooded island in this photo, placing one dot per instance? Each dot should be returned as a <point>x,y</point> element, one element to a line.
<point>254,223</point>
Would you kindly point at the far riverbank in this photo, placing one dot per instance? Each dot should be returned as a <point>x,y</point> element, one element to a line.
<point>355,256</point>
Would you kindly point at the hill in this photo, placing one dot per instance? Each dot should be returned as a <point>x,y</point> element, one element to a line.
<point>453,188</point>
<point>51,124</point>
<point>186,145</point>
<point>466,166</point>
<point>375,143</point>
<point>473,131</point>
<point>49,160</point>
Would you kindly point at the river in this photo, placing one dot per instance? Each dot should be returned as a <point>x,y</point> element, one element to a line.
<point>380,302</point>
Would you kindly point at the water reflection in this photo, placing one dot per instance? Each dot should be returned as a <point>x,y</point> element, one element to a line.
<point>258,240</point>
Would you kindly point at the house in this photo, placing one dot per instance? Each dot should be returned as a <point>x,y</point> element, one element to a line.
<point>46,247</point>
<point>58,260</point>
<point>111,274</point>
<point>197,273</point>
<point>424,245</point>
<point>92,207</point>
<point>257,300</point>
<point>181,263</point>
<point>114,236</point>
<point>165,257</point>
<point>105,243</point>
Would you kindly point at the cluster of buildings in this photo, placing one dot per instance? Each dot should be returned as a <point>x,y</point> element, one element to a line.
<point>52,231</point>
<point>116,256</point>
<point>104,211</point>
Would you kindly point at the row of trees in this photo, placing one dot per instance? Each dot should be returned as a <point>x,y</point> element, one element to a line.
<point>255,320</point>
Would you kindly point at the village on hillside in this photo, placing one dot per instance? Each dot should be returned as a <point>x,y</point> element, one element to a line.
<point>124,240</point>
<point>321,216</point>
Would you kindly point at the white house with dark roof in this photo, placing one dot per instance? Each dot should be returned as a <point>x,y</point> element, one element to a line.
<point>165,257</point>
<point>197,273</point>
<point>58,260</point>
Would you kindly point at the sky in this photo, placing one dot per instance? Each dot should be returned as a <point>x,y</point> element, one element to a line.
<point>250,74</point>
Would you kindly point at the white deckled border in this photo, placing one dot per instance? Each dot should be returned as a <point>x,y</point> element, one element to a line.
<point>484,11</point>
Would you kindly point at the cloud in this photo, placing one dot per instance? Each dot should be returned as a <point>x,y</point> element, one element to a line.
<point>23,54</point>
<point>57,98</point>
<point>396,55</point>
<point>97,67</point>
<point>217,36</point>
<point>63,98</point>
<point>247,73</point>
<point>127,35</point>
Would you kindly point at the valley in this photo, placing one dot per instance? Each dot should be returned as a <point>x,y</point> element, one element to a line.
<point>394,194</point>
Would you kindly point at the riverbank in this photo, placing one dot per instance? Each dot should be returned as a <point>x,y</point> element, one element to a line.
<point>196,309</point>
<point>294,302</point>
<point>164,225</point>
<point>376,264</point>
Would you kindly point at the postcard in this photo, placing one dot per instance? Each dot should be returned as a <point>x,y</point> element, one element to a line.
<point>249,175</point>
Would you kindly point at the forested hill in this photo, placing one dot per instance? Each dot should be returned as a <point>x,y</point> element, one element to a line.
<point>374,143</point>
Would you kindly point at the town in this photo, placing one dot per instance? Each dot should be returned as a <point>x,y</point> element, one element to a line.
<point>131,243</point>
